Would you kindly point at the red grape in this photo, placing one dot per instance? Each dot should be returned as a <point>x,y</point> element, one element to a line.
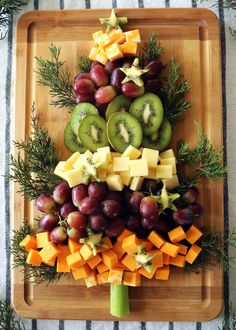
<point>83,75</point>
<point>148,224</point>
<point>133,222</point>
<point>77,220</point>
<point>128,63</point>
<point>88,205</point>
<point>130,89</point>
<point>142,232</point>
<point>154,67</point>
<point>134,201</point>
<point>62,193</point>
<point>197,209</point>
<point>126,193</point>
<point>153,86</point>
<point>98,222</point>
<point>163,225</point>
<point>76,234</point>
<point>97,190</point>
<point>99,75</point>
<point>45,203</point>
<point>115,228</point>
<point>114,195</point>
<point>183,216</point>
<point>110,66</point>
<point>149,185</point>
<point>48,222</point>
<point>190,195</point>
<point>117,77</point>
<point>111,208</point>
<point>58,235</point>
<point>149,208</point>
<point>81,98</point>
<point>105,94</point>
<point>102,107</point>
<point>67,208</point>
<point>84,86</point>
<point>79,193</point>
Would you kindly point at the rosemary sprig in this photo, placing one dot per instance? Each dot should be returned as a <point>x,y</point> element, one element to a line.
<point>8,319</point>
<point>37,275</point>
<point>84,64</point>
<point>34,172</point>
<point>151,51</point>
<point>229,322</point>
<point>53,74</point>
<point>203,160</point>
<point>174,89</point>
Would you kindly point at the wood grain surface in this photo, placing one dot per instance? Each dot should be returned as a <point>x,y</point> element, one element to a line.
<point>192,37</point>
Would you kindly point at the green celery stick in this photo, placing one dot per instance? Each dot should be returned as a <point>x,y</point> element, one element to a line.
<point>119,300</point>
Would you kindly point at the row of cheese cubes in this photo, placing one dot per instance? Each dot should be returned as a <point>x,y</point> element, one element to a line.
<point>114,45</point>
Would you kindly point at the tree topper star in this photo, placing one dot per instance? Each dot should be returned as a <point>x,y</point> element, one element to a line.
<point>113,22</point>
<point>134,73</point>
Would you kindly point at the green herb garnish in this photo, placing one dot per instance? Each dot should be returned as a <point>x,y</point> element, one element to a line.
<point>8,318</point>
<point>151,51</point>
<point>53,74</point>
<point>84,64</point>
<point>229,321</point>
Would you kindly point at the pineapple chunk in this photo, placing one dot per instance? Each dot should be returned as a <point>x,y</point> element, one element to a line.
<point>130,48</point>
<point>169,161</point>
<point>102,174</point>
<point>131,152</point>
<point>164,172</point>
<point>102,56</point>
<point>138,167</point>
<point>167,154</point>
<point>74,177</point>
<point>71,160</point>
<point>114,182</point>
<point>97,35</point>
<point>114,52</point>
<point>105,150</point>
<point>60,170</point>
<point>117,36</point>
<point>171,183</point>
<point>89,154</point>
<point>133,36</point>
<point>120,164</point>
<point>136,183</point>
<point>93,54</point>
<point>152,157</point>
<point>101,158</point>
<point>126,178</point>
<point>104,40</point>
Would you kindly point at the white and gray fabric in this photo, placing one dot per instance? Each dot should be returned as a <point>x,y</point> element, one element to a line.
<point>7,87</point>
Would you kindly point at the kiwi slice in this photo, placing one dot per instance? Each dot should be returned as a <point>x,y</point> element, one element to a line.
<point>119,103</point>
<point>122,130</point>
<point>148,110</point>
<point>79,112</point>
<point>159,140</point>
<point>72,141</point>
<point>92,132</point>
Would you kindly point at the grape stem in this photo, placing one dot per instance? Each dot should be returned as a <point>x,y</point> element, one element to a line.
<point>119,300</point>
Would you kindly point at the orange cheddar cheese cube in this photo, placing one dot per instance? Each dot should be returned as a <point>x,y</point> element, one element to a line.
<point>51,262</point>
<point>132,278</point>
<point>193,253</point>
<point>97,35</point>
<point>75,260</point>
<point>91,280</point>
<point>166,259</point>
<point>42,239</point>
<point>183,248</point>
<point>101,267</point>
<point>81,272</point>
<point>130,244</point>
<point>117,36</point>
<point>163,273</point>
<point>193,234</point>
<point>115,275</point>
<point>133,36</point>
<point>147,274</point>
<point>177,234</point>
<point>49,252</point>
<point>130,262</point>
<point>93,53</point>
<point>178,261</point>
<point>104,40</point>
<point>170,249</point>
<point>86,252</point>
<point>29,242</point>
<point>125,233</point>
<point>62,265</point>
<point>34,258</point>
<point>117,248</point>
<point>157,260</point>
<point>74,246</point>
<point>93,262</point>
<point>147,244</point>
<point>130,48</point>
<point>156,239</point>
<point>107,245</point>
<point>110,259</point>
<point>102,278</point>
<point>114,52</point>
<point>102,56</point>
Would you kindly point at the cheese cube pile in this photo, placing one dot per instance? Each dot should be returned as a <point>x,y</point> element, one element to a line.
<point>114,45</point>
<point>119,170</point>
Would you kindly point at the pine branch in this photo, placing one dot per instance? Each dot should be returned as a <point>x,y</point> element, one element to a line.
<point>84,64</point>
<point>54,75</point>
<point>34,172</point>
<point>174,89</point>
<point>8,319</point>
<point>151,51</point>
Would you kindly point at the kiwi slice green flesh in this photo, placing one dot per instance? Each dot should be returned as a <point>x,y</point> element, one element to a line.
<point>159,140</point>
<point>79,112</point>
<point>122,130</point>
<point>93,133</point>
<point>148,109</point>
<point>119,103</point>
<point>72,141</point>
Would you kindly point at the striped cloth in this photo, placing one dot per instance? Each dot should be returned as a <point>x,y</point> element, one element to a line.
<point>7,85</point>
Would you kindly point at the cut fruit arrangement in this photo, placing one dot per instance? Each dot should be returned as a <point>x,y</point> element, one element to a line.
<point>123,210</point>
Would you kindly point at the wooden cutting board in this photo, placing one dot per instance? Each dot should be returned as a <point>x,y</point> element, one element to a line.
<point>192,37</point>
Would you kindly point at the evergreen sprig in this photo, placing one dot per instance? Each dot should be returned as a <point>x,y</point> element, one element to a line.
<point>34,171</point>
<point>174,89</point>
<point>8,318</point>
<point>151,51</point>
<point>84,64</point>
<point>229,322</point>
<point>53,74</point>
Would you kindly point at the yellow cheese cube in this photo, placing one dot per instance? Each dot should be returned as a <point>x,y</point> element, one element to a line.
<point>91,280</point>
<point>138,167</point>
<point>136,183</point>
<point>167,154</point>
<point>102,56</point>
<point>71,160</point>
<point>151,173</point>
<point>120,164</point>
<point>102,277</point>
<point>107,151</point>
<point>103,158</point>
<point>117,36</point>
<point>152,157</point>
<point>164,172</point>
<point>97,35</point>
<point>115,275</point>
<point>133,36</point>
<point>171,183</point>
<point>60,170</point>
<point>93,53</point>
<point>104,40</point>
<point>74,177</point>
<point>114,182</point>
<point>169,161</point>
<point>114,52</point>
<point>102,174</point>
<point>131,152</point>
<point>130,48</point>
<point>126,178</point>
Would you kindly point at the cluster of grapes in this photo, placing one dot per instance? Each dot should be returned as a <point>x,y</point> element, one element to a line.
<point>102,83</point>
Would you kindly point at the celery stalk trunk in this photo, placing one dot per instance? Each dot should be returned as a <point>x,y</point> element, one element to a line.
<point>119,300</point>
